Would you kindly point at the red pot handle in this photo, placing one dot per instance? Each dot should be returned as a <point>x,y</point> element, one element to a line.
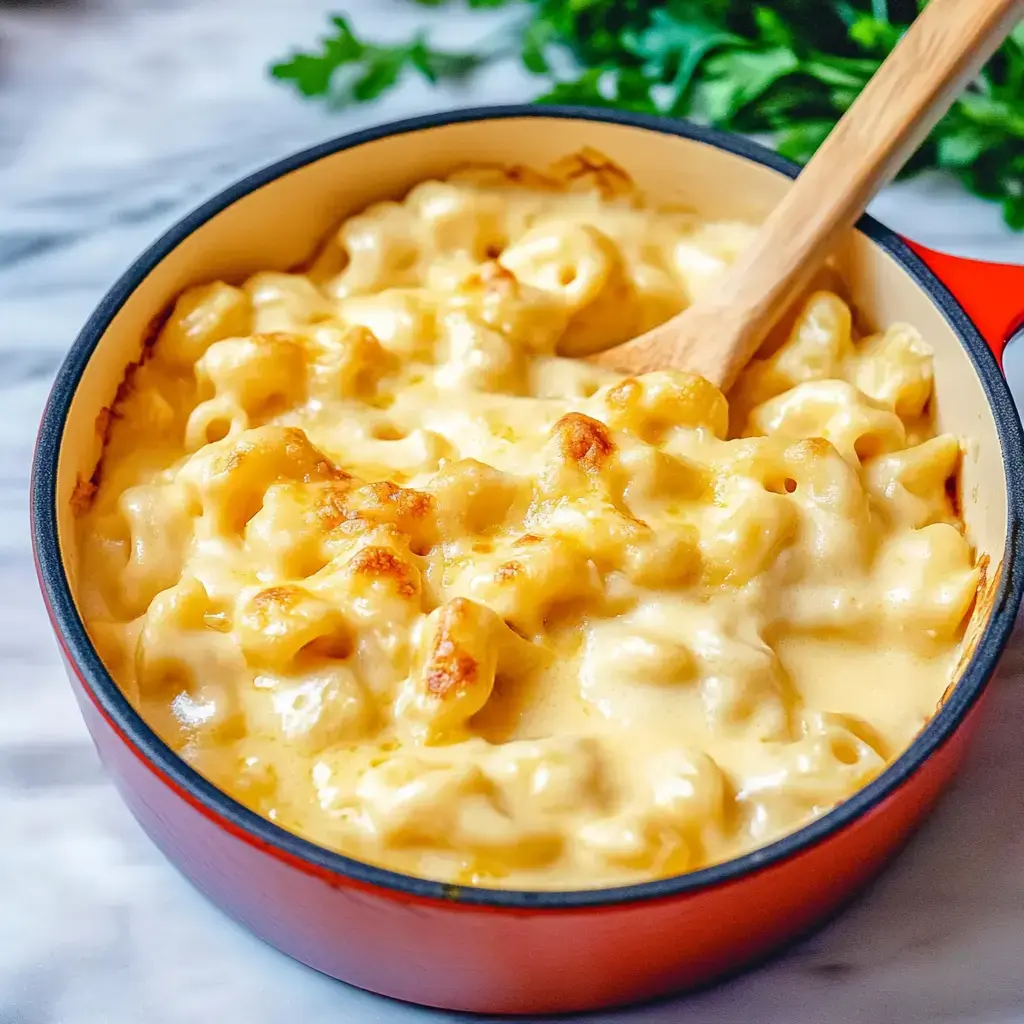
<point>991,294</point>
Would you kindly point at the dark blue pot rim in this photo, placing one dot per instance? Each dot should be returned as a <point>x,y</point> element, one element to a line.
<point>116,706</point>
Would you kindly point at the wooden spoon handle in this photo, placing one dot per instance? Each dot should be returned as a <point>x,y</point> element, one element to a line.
<point>940,52</point>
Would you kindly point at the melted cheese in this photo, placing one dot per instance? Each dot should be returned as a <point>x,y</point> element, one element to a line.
<point>385,564</point>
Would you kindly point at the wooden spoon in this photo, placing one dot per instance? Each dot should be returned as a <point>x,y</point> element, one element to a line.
<point>941,51</point>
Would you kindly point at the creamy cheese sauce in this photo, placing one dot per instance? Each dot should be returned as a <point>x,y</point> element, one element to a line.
<point>379,558</point>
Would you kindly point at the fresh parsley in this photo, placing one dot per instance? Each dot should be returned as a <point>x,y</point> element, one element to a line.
<point>784,68</point>
<point>347,70</point>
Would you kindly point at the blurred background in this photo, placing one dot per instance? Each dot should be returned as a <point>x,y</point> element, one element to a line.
<point>117,117</point>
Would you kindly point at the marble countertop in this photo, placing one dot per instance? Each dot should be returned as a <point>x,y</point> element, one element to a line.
<point>117,116</point>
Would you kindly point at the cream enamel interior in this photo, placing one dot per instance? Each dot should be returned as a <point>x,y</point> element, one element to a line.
<point>279,225</point>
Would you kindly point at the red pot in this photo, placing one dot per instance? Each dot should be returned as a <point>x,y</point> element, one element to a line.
<point>518,952</point>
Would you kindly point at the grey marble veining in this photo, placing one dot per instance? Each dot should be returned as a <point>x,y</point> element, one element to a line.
<point>115,118</point>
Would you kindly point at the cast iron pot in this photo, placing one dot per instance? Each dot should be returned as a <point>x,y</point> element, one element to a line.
<point>485,949</point>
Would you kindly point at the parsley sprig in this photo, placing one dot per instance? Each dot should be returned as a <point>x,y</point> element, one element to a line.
<point>348,70</point>
<point>784,68</point>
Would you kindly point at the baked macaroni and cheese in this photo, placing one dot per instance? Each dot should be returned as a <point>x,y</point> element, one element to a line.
<point>378,554</point>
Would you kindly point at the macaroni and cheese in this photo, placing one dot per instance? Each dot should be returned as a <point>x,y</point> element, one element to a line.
<point>378,553</point>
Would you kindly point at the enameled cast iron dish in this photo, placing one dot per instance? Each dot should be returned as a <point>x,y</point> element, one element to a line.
<point>519,952</point>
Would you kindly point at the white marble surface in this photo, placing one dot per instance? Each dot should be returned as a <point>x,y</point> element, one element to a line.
<point>115,118</point>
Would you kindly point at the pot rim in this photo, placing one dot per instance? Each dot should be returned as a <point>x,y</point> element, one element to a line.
<point>319,860</point>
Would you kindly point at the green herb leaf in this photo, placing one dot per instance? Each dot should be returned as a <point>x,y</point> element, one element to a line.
<point>993,112</point>
<point>537,37</point>
<point>841,72</point>
<point>348,70</point>
<point>583,91</point>
<point>623,90</point>
<point>772,28</point>
<point>874,35</point>
<point>672,47</point>
<point>800,141</point>
<point>739,77</point>
<point>962,147</point>
<point>312,72</point>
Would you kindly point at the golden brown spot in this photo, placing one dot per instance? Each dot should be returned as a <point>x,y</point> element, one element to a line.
<point>383,564</point>
<point>269,605</point>
<point>983,588</point>
<point>82,495</point>
<point>280,598</point>
<point>316,465</point>
<point>390,501</point>
<point>610,179</point>
<point>450,667</point>
<point>107,415</point>
<point>293,606</point>
<point>152,332</point>
<point>382,503</point>
<point>103,423</point>
<point>946,694</point>
<point>584,441</point>
<point>492,277</point>
<point>508,571</point>
<point>330,504</point>
<point>527,538</point>
<point>521,175</point>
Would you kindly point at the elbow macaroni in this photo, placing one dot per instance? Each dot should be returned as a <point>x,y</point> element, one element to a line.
<point>380,559</point>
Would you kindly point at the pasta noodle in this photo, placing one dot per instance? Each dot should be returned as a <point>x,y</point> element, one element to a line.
<point>376,554</point>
